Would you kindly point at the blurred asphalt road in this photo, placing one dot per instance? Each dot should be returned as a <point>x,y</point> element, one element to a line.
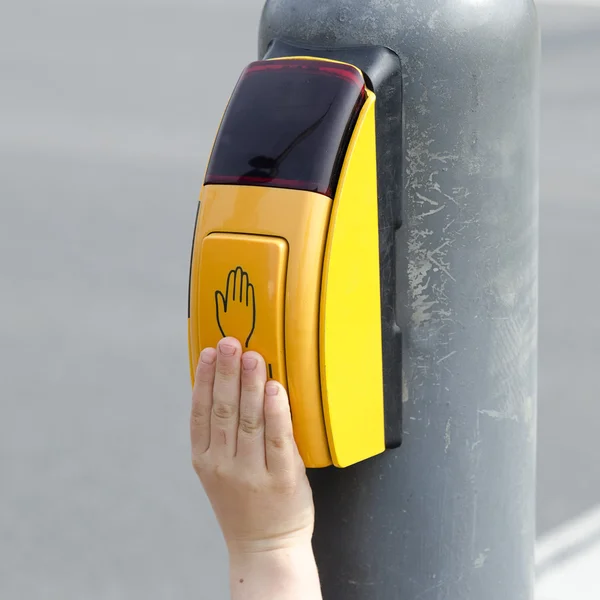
<point>107,113</point>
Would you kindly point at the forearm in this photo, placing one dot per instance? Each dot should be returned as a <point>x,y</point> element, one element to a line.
<point>285,574</point>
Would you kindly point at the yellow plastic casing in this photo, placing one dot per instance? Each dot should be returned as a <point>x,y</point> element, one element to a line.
<point>350,320</point>
<point>322,281</point>
<point>302,220</point>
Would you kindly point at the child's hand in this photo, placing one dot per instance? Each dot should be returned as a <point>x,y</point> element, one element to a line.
<point>244,452</point>
<point>245,455</point>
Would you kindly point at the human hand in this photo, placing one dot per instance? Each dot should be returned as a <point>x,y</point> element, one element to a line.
<point>245,454</point>
<point>236,308</point>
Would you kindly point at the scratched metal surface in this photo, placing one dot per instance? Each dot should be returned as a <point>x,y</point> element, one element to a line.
<point>450,515</point>
<point>107,111</point>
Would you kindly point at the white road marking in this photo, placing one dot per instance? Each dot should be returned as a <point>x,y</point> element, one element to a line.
<point>568,560</point>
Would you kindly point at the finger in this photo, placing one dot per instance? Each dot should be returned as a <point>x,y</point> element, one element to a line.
<point>239,275</point>
<point>281,450</point>
<point>249,293</point>
<point>236,278</point>
<point>230,292</point>
<point>253,306</point>
<point>226,399</point>
<point>244,281</point>
<point>251,430</point>
<point>202,400</point>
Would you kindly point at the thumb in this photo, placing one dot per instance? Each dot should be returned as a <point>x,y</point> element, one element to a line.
<point>220,301</point>
<point>221,310</point>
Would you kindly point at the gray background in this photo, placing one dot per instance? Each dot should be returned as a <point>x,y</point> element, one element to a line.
<point>107,113</point>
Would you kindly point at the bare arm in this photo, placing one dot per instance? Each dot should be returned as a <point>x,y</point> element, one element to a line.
<point>246,457</point>
<point>285,574</point>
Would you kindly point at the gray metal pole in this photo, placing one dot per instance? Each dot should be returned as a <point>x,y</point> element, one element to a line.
<point>450,514</point>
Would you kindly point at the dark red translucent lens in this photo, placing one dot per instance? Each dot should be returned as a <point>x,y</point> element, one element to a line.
<point>288,125</point>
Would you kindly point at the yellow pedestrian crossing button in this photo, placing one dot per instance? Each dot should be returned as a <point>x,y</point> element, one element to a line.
<point>286,254</point>
<point>242,295</point>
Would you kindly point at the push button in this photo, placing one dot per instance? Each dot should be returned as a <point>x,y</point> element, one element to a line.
<point>242,295</point>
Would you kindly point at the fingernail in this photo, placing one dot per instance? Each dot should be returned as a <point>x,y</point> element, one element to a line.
<point>207,356</point>
<point>249,363</point>
<point>227,349</point>
<point>272,389</point>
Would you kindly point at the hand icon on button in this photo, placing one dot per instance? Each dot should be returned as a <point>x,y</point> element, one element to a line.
<point>236,308</point>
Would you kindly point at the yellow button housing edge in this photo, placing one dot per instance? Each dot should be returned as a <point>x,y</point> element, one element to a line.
<point>350,320</point>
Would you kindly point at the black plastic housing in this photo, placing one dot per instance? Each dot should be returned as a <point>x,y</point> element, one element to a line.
<point>288,125</point>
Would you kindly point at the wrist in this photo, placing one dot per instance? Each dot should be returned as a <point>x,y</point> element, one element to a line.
<point>297,541</point>
<point>281,559</point>
<point>278,572</point>
<point>270,550</point>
